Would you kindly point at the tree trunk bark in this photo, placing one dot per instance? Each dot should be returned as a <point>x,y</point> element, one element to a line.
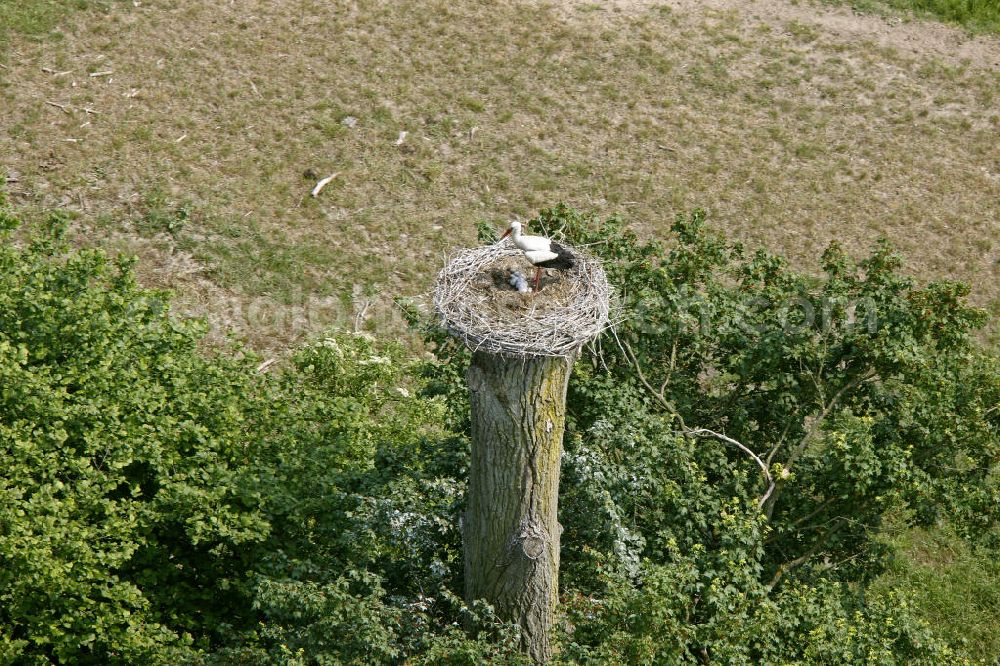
<point>510,530</point>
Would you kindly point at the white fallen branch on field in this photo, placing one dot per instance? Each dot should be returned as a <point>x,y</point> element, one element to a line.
<point>59,106</point>
<point>253,86</point>
<point>359,318</point>
<point>107,72</point>
<point>266,364</point>
<point>323,183</point>
<point>402,138</point>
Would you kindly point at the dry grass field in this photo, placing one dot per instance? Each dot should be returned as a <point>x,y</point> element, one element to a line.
<point>191,133</point>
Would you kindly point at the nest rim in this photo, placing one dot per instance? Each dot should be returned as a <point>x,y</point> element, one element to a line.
<point>554,329</point>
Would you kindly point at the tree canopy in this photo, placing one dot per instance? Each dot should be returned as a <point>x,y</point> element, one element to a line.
<point>160,502</point>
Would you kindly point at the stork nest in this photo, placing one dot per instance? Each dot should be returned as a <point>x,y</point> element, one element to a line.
<point>477,304</point>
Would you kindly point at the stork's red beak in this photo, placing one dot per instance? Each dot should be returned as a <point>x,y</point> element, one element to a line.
<point>505,234</point>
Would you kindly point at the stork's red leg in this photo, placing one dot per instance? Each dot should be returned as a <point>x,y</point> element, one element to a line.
<point>538,276</point>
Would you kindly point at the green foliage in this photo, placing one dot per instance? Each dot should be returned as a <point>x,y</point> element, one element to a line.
<point>39,17</point>
<point>121,445</point>
<point>862,391</point>
<point>975,15</point>
<point>955,586</point>
<point>162,504</point>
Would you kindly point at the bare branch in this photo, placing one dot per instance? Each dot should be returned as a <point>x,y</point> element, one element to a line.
<point>359,318</point>
<point>659,395</point>
<point>705,432</point>
<point>810,435</point>
<point>814,427</point>
<point>322,183</point>
<point>781,440</point>
<point>799,561</point>
<point>696,432</point>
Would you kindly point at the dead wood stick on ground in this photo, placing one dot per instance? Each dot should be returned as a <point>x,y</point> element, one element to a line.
<point>322,183</point>
<point>107,72</point>
<point>59,106</point>
<point>91,112</point>
<point>359,319</point>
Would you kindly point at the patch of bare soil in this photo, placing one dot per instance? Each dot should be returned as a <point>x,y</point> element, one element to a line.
<point>915,38</point>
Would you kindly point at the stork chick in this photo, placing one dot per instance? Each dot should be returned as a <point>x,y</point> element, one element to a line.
<point>518,281</point>
<point>541,252</point>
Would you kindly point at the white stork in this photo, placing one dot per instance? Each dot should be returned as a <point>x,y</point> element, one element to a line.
<point>541,252</point>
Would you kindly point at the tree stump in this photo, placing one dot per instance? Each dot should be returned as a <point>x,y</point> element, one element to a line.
<point>524,346</point>
<point>511,532</point>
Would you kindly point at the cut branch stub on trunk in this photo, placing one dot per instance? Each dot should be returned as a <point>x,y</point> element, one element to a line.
<point>524,348</point>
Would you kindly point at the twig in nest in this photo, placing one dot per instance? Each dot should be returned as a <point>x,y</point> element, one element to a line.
<point>322,183</point>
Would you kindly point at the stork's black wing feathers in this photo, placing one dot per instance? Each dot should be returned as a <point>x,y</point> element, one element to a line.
<point>563,261</point>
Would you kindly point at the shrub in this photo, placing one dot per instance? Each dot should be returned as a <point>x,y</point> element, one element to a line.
<point>162,503</point>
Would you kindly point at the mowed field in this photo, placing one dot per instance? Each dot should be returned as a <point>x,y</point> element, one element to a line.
<point>190,133</point>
